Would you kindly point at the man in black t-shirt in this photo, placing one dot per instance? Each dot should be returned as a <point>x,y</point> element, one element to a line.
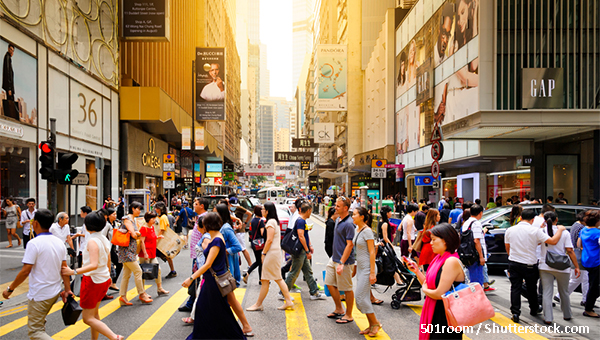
<point>420,217</point>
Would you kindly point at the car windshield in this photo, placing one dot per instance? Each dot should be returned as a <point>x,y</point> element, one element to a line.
<point>494,211</point>
<point>281,213</point>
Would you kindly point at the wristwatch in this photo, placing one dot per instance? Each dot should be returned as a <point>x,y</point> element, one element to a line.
<point>192,278</point>
<point>9,290</point>
<point>75,271</point>
<point>265,254</point>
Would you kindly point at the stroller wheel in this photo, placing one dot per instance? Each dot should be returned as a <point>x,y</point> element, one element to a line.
<point>395,304</point>
<point>394,297</point>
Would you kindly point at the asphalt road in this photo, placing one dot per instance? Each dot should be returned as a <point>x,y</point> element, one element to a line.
<point>161,320</point>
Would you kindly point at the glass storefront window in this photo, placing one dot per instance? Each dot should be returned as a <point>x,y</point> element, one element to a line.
<point>151,185</point>
<point>561,176</point>
<point>449,187</point>
<point>14,174</point>
<point>508,185</point>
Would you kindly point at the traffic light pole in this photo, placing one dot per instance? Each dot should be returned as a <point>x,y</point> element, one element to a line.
<point>53,184</point>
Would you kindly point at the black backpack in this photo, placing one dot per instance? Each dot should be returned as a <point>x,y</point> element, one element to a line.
<point>467,252</point>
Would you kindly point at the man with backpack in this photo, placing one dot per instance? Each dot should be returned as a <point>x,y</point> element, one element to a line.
<point>473,250</point>
<point>187,221</point>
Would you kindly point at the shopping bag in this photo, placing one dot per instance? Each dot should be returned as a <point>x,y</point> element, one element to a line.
<point>467,306</point>
<point>149,271</point>
<point>71,311</point>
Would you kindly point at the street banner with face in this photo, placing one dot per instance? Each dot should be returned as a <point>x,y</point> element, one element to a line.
<point>210,84</point>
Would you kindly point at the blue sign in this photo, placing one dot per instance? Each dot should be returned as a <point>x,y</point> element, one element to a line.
<point>214,167</point>
<point>424,180</point>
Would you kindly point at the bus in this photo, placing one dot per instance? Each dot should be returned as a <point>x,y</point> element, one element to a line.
<point>273,194</point>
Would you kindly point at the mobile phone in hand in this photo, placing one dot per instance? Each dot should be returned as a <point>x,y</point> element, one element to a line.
<point>405,259</point>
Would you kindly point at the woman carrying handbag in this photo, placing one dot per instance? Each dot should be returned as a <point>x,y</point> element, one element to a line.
<point>257,242</point>
<point>148,240</point>
<point>214,318</point>
<point>444,271</point>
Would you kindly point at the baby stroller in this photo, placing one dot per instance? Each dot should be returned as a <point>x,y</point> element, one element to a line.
<point>388,264</point>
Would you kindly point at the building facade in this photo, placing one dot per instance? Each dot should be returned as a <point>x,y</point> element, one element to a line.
<point>69,75</point>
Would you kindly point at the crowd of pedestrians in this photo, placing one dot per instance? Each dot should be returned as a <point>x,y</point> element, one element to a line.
<point>431,240</point>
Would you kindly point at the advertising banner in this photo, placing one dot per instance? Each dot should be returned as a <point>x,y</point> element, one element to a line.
<point>145,20</point>
<point>19,77</point>
<point>543,88</point>
<point>331,74</point>
<point>199,138</point>
<point>259,170</point>
<point>210,84</point>
<point>186,138</point>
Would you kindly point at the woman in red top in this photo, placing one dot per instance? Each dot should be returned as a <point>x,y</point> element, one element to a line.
<point>147,254</point>
<point>432,218</point>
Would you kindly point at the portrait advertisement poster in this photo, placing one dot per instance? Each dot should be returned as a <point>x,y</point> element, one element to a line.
<point>210,83</point>
<point>332,78</point>
<point>19,77</point>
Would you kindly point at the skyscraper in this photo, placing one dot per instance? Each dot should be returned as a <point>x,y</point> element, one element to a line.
<point>302,37</point>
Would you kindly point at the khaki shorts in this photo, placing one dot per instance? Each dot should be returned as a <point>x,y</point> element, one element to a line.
<point>342,282</point>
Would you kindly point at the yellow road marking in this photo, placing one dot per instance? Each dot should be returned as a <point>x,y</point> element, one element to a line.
<point>9,327</point>
<point>418,309</point>
<point>296,322</point>
<point>72,331</point>
<point>505,322</point>
<point>23,288</point>
<point>321,224</point>
<point>363,323</point>
<point>156,321</point>
<point>13,311</point>
<point>239,295</point>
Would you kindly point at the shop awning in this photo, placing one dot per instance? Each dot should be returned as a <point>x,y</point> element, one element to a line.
<point>536,125</point>
<point>332,174</point>
<point>155,112</point>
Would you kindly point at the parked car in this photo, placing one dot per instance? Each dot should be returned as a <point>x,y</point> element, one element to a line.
<point>284,214</point>
<point>496,220</point>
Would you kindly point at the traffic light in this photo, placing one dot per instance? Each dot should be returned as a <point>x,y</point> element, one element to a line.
<point>64,173</point>
<point>47,160</point>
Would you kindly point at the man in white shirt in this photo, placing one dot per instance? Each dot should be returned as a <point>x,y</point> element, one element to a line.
<point>42,263</point>
<point>526,200</point>
<point>83,236</point>
<point>409,231</point>
<point>355,204</point>
<point>521,242</point>
<point>61,229</point>
<point>215,90</point>
<point>26,217</point>
<point>479,237</point>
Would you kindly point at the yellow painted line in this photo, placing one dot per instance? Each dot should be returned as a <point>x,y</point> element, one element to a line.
<point>505,322</point>
<point>72,331</point>
<point>418,309</point>
<point>9,327</point>
<point>321,224</point>
<point>13,311</point>
<point>239,295</point>
<point>296,322</point>
<point>363,323</point>
<point>156,321</point>
<point>23,288</point>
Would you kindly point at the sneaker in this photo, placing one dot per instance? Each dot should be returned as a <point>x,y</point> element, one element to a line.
<point>281,298</point>
<point>171,275</point>
<point>320,288</point>
<point>506,273</point>
<point>318,296</point>
<point>245,278</point>
<point>489,289</point>
<point>295,290</point>
<point>297,287</point>
<point>491,282</point>
<point>557,299</point>
<point>184,308</point>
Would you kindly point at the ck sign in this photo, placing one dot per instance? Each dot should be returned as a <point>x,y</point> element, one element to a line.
<point>324,132</point>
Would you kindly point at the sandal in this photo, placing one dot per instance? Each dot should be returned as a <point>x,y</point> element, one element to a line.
<point>377,302</point>
<point>371,333</point>
<point>366,331</point>
<point>188,320</point>
<point>9,246</point>
<point>334,315</point>
<point>343,321</point>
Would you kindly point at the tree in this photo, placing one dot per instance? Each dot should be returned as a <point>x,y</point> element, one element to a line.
<point>258,179</point>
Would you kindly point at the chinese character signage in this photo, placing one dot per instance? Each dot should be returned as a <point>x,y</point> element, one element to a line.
<point>303,143</point>
<point>294,157</point>
<point>331,74</point>
<point>259,170</point>
<point>210,83</point>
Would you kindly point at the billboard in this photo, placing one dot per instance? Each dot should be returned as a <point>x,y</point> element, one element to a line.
<point>259,170</point>
<point>210,84</point>
<point>332,77</point>
<point>19,77</point>
<point>437,72</point>
<point>145,21</point>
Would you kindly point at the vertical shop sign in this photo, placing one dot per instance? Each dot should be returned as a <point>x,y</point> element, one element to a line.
<point>186,138</point>
<point>199,138</point>
<point>210,83</point>
<point>331,74</point>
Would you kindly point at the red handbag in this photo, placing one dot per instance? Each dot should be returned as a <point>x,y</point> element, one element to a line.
<point>468,306</point>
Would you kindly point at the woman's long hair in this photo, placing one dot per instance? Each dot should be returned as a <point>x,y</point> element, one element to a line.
<point>271,212</point>
<point>515,213</point>
<point>430,222</point>
<point>330,212</point>
<point>384,211</point>
<point>223,212</point>
<point>550,217</point>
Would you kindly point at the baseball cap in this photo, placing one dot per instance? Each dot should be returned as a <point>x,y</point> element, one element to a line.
<point>234,201</point>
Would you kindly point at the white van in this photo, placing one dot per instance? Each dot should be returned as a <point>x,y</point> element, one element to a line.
<point>273,194</point>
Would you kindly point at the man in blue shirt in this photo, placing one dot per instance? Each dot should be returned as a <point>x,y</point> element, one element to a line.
<point>455,213</point>
<point>301,261</point>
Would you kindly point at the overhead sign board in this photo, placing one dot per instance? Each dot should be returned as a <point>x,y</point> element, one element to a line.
<point>303,143</point>
<point>378,172</point>
<point>424,180</point>
<point>259,170</point>
<point>543,88</point>
<point>304,165</point>
<point>287,167</point>
<point>145,20</point>
<point>214,167</point>
<point>213,174</point>
<point>294,157</point>
<point>324,132</point>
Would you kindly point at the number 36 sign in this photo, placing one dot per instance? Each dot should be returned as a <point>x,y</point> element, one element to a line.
<point>86,113</point>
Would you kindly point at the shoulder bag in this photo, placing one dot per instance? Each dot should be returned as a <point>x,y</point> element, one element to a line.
<point>71,311</point>
<point>468,305</point>
<point>418,244</point>
<point>557,261</point>
<point>225,281</point>
<point>291,244</point>
<point>121,238</point>
<point>258,243</point>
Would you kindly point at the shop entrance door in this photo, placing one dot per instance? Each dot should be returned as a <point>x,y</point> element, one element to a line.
<point>561,177</point>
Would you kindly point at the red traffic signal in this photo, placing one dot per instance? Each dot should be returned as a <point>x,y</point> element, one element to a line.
<point>47,160</point>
